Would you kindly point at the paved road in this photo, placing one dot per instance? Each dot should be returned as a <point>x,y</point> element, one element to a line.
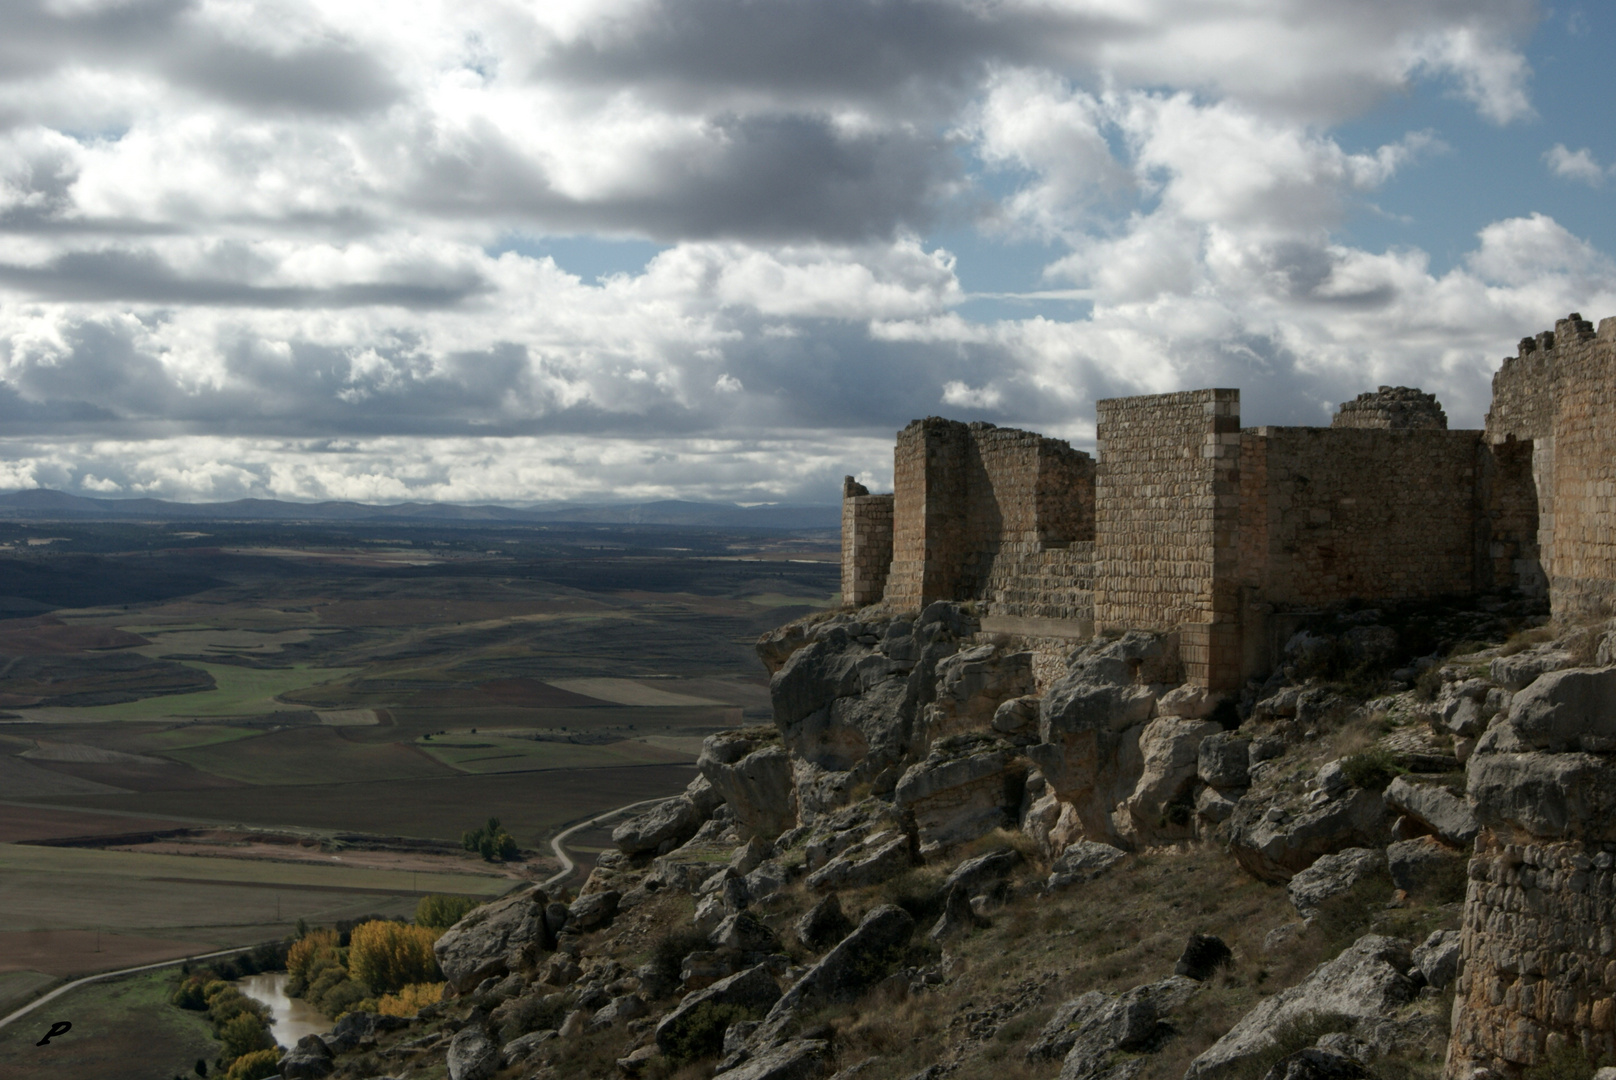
<point>567,865</point>
<point>76,983</point>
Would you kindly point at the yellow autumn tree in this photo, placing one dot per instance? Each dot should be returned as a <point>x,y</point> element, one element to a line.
<point>411,999</point>
<point>388,956</point>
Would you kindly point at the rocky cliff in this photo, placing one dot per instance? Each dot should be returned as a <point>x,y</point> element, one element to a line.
<point>935,864</point>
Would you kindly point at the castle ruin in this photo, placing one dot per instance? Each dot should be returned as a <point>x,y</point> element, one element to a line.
<point>1229,536</point>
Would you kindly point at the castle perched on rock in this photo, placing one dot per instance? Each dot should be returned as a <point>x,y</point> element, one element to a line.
<point>1283,702</point>
<point>1188,522</point>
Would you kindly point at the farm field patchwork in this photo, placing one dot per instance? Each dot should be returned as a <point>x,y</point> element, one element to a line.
<point>559,674</point>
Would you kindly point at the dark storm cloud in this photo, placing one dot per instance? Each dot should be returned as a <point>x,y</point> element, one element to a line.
<point>156,36</point>
<point>914,52</point>
<point>776,177</point>
<point>117,276</point>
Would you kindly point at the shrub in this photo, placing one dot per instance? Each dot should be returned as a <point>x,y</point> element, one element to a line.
<point>670,950</point>
<point>188,995</point>
<point>257,1065</point>
<point>1371,769</point>
<point>388,956</point>
<point>491,841</point>
<point>244,1034</point>
<point>410,999</point>
<point>439,912</point>
<point>702,1033</point>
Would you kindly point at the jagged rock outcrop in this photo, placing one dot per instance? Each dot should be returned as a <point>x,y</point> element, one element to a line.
<point>669,823</point>
<point>688,1028</point>
<point>310,1059</point>
<point>1334,875</point>
<point>1366,983</point>
<point>494,939</point>
<point>861,959</point>
<point>753,774</point>
<point>473,1055</point>
<point>1274,843</point>
<point>1087,1032</point>
<point>965,788</point>
<point>1435,809</point>
<point>849,703</point>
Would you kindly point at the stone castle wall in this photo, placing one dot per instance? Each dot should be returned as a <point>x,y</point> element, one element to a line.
<point>1333,513</point>
<point>866,543</point>
<point>982,512</point>
<point>1557,394</point>
<point>1166,524</point>
<point>1539,947</point>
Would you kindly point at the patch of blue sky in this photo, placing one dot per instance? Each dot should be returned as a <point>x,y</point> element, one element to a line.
<point>591,258</point>
<point>1487,172</point>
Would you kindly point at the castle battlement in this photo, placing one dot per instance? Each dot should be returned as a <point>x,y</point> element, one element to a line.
<point>1187,522</point>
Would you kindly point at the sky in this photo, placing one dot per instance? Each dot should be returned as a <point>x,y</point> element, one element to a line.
<point>498,251</point>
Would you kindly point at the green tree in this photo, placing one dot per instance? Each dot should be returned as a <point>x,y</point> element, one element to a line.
<point>439,912</point>
<point>491,841</point>
<point>244,1034</point>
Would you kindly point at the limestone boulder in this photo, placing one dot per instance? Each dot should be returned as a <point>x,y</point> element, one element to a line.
<point>978,875</point>
<point>1438,958</point>
<point>1520,670</point>
<point>1547,796</point>
<point>882,857</point>
<point>753,776</point>
<point>1224,761</point>
<point>957,917</point>
<point>1366,983</point>
<point>1089,1032</point>
<point>963,790</point>
<point>310,1059</point>
<point>971,685</point>
<point>1089,749</point>
<point>593,912</point>
<point>775,647</point>
<point>1426,867</point>
<point>1017,720</point>
<point>795,1059</point>
<point>751,992</point>
<point>863,958</point>
<point>1458,708</point>
<point>1161,804</point>
<point>1274,844</point>
<point>494,939</point>
<point>1189,702</point>
<point>1435,808</point>
<point>1566,711</point>
<point>744,932</point>
<point>669,823</point>
<point>1083,861</point>
<point>1317,1063</point>
<point>473,1055</point>
<point>1332,876</point>
<point>824,924</point>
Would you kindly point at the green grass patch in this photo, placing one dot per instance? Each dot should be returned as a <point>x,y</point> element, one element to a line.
<point>239,692</point>
<point>121,1028</point>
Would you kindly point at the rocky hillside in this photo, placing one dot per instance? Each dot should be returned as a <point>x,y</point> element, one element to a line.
<point>927,867</point>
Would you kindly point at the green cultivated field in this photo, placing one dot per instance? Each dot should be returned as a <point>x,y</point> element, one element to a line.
<point>241,692</point>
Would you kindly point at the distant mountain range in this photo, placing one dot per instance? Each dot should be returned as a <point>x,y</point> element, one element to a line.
<point>44,504</point>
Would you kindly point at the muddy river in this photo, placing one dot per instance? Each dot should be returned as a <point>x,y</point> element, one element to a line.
<point>291,1018</point>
